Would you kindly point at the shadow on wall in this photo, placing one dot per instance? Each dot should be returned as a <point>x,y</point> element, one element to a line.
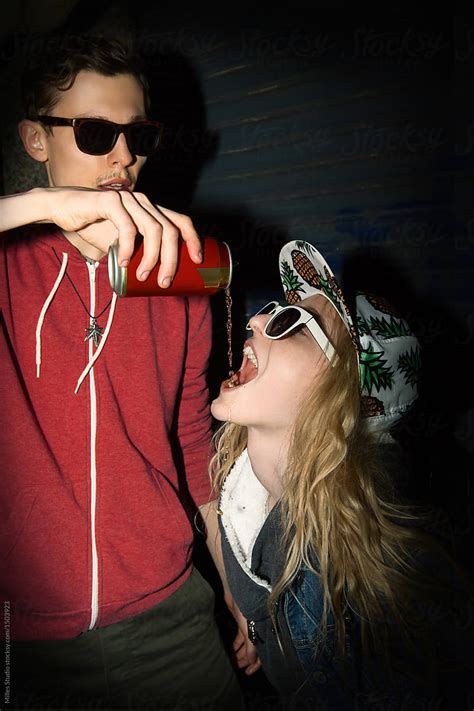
<point>435,435</point>
<point>170,177</point>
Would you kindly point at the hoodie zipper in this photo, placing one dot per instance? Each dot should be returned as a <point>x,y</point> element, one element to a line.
<point>92,266</point>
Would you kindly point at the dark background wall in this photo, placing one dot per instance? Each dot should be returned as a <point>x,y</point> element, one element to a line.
<point>354,133</point>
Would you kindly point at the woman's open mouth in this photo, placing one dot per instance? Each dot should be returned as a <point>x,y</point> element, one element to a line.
<point>247,372</point>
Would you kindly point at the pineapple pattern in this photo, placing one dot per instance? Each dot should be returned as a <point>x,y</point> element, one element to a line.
<point>363,328</point>
<point>383,327</point>
<point>374,372</point>
<point>371,406</point>
<point>305,247</point>
<point>389,362</point>
<point>291,283</point>
<point>381,304</point>
<point>325,283</point>
<point>409,364</point>
<point>306,270</point>
<point>388,350</point>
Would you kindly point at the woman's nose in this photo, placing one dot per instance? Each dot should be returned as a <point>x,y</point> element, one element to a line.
<point>257,323</point>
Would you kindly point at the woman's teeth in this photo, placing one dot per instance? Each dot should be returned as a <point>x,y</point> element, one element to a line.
<point>251,356</point>
<point>232,381</point>
<point>247,372</point>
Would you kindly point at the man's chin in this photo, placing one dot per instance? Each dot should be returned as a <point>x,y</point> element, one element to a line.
<point>86,248</point>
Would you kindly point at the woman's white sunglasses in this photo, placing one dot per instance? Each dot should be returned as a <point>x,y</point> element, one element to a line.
<point>285,319</point>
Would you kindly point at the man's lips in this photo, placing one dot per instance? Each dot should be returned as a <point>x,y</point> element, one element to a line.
<point>116,184</point>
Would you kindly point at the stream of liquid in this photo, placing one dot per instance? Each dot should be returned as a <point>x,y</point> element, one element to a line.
<point>228,303</point>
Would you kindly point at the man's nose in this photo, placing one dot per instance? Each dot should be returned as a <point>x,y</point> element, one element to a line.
<point>120,153</point>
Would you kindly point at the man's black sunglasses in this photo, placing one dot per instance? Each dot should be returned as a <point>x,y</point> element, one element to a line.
<point>98,136</point>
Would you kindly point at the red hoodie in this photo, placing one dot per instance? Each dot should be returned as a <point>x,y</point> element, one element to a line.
<point>92,525</point>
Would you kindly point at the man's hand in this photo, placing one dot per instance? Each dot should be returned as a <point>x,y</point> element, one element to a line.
<point>102,216</point>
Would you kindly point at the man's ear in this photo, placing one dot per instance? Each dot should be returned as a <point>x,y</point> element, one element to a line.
<point>33,137</point>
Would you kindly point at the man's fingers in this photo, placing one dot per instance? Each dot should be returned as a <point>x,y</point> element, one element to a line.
<point>188,232</point>
<point>168,255</point>
<point>175,226</point>
<point>152,232</point>
<point>160,239</point>
<point>161,229</point>
<point>115,211</point>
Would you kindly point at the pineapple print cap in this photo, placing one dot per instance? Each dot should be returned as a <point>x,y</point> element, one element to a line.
<point>388,351</point>
<point>389,362</point>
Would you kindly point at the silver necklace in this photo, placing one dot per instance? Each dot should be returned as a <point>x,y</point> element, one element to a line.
<point>94,331</point>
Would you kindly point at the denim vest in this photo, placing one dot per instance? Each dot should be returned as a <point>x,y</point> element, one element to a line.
<point>294,659</point>
<point>331,676</point>
<point>307,670</point>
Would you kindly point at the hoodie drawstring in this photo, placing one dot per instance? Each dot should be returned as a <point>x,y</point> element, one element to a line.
<point>46,304</point>
<point>42,315</point>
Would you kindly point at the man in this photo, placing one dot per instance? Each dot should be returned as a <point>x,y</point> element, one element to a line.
<point>104,452</point>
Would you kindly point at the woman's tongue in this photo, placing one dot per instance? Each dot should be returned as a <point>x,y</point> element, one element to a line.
<point>247,372</point>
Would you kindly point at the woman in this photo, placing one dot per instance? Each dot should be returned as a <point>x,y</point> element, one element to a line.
<point>318,558</point>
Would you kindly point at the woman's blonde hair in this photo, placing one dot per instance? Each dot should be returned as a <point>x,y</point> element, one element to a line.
<point>336,510</point>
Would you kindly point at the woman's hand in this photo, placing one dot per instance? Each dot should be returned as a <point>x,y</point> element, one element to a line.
<point>245,652</point>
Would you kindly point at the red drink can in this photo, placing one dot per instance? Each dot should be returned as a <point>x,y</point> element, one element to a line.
<point>212,275</point>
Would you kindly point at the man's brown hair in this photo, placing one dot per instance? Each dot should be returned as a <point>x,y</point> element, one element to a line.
<point>53,68</point>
